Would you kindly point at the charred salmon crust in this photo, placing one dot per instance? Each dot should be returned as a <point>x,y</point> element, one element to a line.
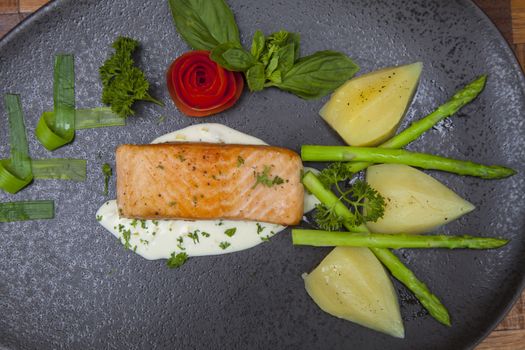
<point>209,181</point>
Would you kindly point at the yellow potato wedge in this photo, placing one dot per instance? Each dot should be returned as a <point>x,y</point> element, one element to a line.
<point>367,110</point>
<point>415,201</point>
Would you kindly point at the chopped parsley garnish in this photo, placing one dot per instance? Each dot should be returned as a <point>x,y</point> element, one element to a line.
<point>194,236</point>
<point>134,223</point>
<point>230,232</point>
<point>143,224</point>
<point>176,260</point>
<point>155,222</point>
<point>181,157</point>
<point>205,234</point>
<point>265,239</point>
<point>107,172</point>
<point>180,240</point>
<point>224,245</point>
<point>260,228</point>
<point>240,161</point>
<point>99,217</point>
<point>126,235</point>
<point>265,179</point>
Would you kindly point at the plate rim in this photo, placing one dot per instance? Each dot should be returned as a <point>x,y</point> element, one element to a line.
<point>51,5</point>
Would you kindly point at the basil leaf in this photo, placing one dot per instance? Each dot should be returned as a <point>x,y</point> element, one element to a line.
<point>239,58</point>
<point>272,65</point>
<point>258,44</point>
<point>295,38</point>
<point>233,57</point>
<point>279,38</point>
<point>255,77</point>
<point>317,75</point>
<point>204,24</point>
<point>275,77</point>
<point>286,56</point>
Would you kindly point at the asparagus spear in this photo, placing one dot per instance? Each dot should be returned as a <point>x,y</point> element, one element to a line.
<point>318,238</point>
<point>460,99</point>
<point>398,156</point>
<point>391,262</point>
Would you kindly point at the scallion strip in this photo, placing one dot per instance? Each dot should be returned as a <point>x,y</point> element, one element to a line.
<point>57,129</point>
<point>98,117</point>
<point>15,172</point>
<point>90,118</point>
<point>27,210</point>
<point>59,168</point>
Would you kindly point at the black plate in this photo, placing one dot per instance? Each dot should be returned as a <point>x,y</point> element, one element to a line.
<point>69,283</point>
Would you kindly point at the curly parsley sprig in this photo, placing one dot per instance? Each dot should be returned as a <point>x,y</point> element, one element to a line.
<point>365,203</point>
<point>123,83</point>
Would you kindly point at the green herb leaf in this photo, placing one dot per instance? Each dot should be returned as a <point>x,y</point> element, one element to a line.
<point>272,66</point>
<point>278,39</point>
<point>286,56</point>
<point>194,236</point>
<point>260,228</point>
<point>204,24</point>
<point>295,38</point>
<point>317,75</point>
<point>258,44</point>
<point>176,260</point>
<point>230,232</point>
<point>327,218</point>
<point>265,179</point>
<point>107,172</point>
<point>255,77</point>
<point>239,58</point>
<point>334,173</point>
<point>224,245</point>
<point>233,57</point>
<point>27,210</point>
<point>123,83</point>
<point>365,203</point>
<point>276,77</point>
<point>240,161</point>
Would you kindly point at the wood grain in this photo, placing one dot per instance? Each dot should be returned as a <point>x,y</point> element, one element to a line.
<point>509,17</point>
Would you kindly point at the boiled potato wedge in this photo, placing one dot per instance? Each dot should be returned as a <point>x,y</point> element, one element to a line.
<point>350,283</point>
<point>367,110</point>
<point>415,201</point>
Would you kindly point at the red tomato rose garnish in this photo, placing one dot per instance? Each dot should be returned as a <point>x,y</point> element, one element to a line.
<point>200,87</point>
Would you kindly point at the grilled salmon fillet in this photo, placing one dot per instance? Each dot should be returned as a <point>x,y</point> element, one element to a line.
<point>209,181</point>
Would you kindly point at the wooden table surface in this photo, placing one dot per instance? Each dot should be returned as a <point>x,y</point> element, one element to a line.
<point>509,17</point>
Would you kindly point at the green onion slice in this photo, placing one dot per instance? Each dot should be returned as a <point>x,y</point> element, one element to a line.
<point>59,168</point>
<point>57,129</point>
<point>98,117</point>
<point>90,118</point>
<point>27,210</point>
<point>15,172</point>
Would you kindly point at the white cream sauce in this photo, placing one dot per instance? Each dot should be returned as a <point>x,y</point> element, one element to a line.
<point>158,239</point>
